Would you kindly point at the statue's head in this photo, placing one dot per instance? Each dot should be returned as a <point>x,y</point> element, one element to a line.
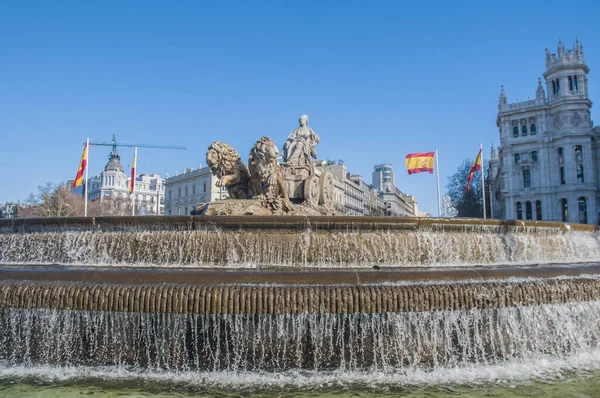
<point>221,153</point>
<point>303,120</point>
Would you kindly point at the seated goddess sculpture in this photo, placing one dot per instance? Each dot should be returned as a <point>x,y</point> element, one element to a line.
<point>300,145</point>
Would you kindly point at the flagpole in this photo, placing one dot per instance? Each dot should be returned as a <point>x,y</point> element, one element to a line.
<point>437,174</point>
<point>482,179</point>
<point>133,182</point>
<point>85,185</point>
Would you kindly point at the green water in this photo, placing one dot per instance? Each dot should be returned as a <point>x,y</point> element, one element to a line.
<point>583,384</point>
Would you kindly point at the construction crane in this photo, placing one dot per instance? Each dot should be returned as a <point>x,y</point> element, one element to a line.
<point>114,145</point>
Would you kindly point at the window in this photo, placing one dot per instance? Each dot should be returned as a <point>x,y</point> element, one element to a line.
<point>534,156</point>
<point>564,209</point>
<point>170,196</point>
<point>526,178</point>
<point>178,210</point>
<point>169,211</point>
<point>570,84</point>
<point>580,174</point>
<point>563,179</point>
<point>186,192</point>
<point>515,131</point>
<point>553,87</point>
<point>519,211</point>
<point>517,157</point>
<point>582,210</point>
<point>561,152</point>
<point>528,211</point>
<point>186,212</point>
<point>194,189</point>
<point>204,187</point>
<point>532,128</point>
<point>538,210</point>
<point>578,153</point>
<point>178,195</point>
<point>524,130</point>
<point>575,83</point>
<point>557,86</point>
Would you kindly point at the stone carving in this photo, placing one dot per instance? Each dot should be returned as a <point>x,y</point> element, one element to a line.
<point>225,163</point>
<point>558,123</point>
<point>575,119</point>
<point>266,175</point>
<point>300,145</point>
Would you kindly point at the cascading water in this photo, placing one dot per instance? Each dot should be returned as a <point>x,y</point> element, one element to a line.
<point>211,323</point>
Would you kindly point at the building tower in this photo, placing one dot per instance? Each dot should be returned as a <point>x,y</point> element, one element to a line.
<point>548,148</point>
<point>383,178</point>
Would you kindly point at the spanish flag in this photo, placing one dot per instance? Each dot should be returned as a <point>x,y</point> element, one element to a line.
<point>420,161</point>
<point>132,182</point>
<point>82,165</point>
<point>476,166</point>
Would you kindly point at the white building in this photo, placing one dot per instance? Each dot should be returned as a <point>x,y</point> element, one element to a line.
<point>547,165</point>
<point>185,191</point>
<point>354,197</point>
<point>383,178</point>
<point>113,183</point>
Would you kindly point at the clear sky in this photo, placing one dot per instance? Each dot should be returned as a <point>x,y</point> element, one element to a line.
<point>378,79</point>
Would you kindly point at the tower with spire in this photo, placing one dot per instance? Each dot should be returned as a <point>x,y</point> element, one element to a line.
<point>547,165</point>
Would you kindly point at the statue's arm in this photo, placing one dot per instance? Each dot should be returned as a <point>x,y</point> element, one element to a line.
<point>314,136</point>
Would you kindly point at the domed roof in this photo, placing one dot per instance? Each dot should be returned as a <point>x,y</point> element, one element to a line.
<point>114,162</point>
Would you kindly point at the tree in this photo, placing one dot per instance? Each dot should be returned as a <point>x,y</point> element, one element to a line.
<point>54,200</point>
<point>467,203</point>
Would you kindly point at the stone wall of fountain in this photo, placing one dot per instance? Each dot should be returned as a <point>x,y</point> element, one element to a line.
<point>272,241</point>
<point>69,294</point>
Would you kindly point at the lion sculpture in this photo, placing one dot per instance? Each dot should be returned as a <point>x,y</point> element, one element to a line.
<point>266,179</point>
<point>225,163</point>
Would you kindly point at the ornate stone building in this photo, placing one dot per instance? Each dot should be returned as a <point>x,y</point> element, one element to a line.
<point>114,183</point>
<point>185,191</point>
<point>548,160</point>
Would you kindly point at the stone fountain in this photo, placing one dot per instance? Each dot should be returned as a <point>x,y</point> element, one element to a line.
<point>290,287</point>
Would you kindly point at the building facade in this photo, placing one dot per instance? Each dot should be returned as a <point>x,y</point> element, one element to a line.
<point>113,184</point>
<point>383,178</point>
<point>546,167</point>
<point>185,191</point>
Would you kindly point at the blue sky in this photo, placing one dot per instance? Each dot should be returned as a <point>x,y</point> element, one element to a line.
<point>378,79</point>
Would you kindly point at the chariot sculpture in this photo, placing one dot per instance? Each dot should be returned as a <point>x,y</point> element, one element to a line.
<point>275,185</point>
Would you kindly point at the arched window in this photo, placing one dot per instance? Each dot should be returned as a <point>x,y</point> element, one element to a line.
<point>538,210</point>
<point>575,87</point>
<point>570,84</point>
<point>517,157</point>
<point>534,156</point>
<point>519,211</point>
<point>580,174</point>
<point>526,178</point>
<point>532,128</point>
<point>582,210</point>
<point>564,209</point>
<point>524,130</point>
<point>528,211</point>
<point>515,131</point>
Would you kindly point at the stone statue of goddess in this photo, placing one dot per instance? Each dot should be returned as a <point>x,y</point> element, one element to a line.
<point>300,145</point>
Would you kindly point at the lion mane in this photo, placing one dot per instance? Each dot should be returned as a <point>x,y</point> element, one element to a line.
<point>230,168</point>
<point>265,172</point>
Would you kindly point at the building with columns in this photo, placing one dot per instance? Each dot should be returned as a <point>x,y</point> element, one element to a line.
<point>547,164</point>
<point>113,184</point>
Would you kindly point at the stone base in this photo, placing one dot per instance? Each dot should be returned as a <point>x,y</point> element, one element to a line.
<point>255,207</point>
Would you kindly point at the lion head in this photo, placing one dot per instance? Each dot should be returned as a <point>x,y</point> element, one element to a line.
<point>263,155</point>
<point>221,158</point>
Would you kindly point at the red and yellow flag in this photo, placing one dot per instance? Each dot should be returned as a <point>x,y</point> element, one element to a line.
<point>420,161</point>
<point>82,165</point>
<point>132,182</point>
<point>476,166</point>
